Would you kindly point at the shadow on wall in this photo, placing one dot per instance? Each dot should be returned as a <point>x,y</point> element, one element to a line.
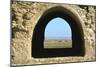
<point>78,47</point>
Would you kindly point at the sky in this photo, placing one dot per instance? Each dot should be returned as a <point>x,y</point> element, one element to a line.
<point>57,27</point>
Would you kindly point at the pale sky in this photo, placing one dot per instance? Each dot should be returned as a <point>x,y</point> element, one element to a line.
<point>57,27</point>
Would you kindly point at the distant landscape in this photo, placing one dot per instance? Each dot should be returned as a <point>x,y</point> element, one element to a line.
<point>57,42</point>
<point>58,38</point>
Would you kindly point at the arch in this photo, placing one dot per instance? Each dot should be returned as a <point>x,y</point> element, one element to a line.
<point>58,34</point>
<point>57,27</point>
<point>73,19</point>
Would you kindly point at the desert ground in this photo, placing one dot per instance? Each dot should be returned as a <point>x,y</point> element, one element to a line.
<point>57,44</point>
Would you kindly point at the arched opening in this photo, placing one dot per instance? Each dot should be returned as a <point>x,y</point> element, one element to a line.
<point>58,34</point>
<point>78,47</point>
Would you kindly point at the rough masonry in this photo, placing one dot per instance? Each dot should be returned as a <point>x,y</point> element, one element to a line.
<point>25,16</point>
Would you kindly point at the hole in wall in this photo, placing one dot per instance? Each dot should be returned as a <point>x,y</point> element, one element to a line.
<point>58,34</point>
<point>77,35</point>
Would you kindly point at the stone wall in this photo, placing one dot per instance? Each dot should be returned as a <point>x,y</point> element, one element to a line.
<point>25,16</point>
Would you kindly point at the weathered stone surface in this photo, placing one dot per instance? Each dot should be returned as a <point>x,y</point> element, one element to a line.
<point>25,16</point>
